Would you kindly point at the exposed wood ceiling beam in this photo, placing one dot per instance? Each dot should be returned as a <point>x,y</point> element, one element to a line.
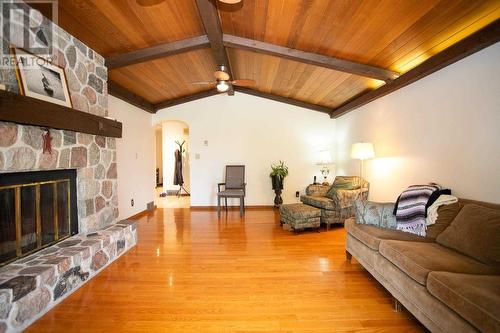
<point>310,58</point>
<point>157,51</point>
<point>185,99</point>
<point>212,92</point>
<point>286,100</point>
<point>118,91</point>
<point>211,21</point>
<point>485,37</point>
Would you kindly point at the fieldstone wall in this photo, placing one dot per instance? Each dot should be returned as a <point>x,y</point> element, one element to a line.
<point>33,285</point>
<point>85,71</point>
<point>94,157</point>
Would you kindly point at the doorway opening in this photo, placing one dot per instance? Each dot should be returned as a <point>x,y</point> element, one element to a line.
<point>172,165</point>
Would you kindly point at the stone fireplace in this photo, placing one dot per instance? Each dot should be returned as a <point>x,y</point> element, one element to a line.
<point>93,157</point>
<point>52,242</point>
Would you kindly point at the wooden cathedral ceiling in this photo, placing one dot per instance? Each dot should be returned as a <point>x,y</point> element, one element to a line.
<point>291,48</point>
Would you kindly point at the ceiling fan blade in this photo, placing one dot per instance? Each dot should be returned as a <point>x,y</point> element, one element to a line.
<point>204,83</point>
<point>148,3</point>
<point>220,75</point>
<point>244,82</point>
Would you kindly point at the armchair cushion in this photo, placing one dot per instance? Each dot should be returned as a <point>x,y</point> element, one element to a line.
<point>347,182</point>
<point>319,202</point>
<point>342,183</point>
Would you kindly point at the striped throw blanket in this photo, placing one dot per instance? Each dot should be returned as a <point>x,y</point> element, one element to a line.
<point>411,210</point>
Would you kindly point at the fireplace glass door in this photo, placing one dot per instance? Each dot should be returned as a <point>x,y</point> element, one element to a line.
<point>34,215</point>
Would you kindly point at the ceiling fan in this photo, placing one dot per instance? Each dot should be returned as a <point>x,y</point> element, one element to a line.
<point>148,3</point>
<point>223,82</point>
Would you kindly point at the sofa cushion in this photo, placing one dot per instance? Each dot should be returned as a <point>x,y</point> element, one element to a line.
<point>418,259</point>
<point>371,235</point>
<point>474,297</point>
<point>319,202</point>
<point>446,214</point>
<point>475,232</point>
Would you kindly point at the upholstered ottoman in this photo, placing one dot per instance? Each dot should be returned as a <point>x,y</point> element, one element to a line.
<point>299,216</point>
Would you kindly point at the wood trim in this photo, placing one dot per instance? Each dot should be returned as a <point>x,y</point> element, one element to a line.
<point>185,99</point>
<point>141,214</point>
<point>310,58</point>
<point>120,92</point>
<point>231,208</point>
<point>211,22</point>
<point>485,37</point>
<point>157,51</point>
<point>31,111</point>
<point>286,100</point>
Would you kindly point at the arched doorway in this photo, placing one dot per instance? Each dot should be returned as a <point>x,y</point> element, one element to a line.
<point>174,134</point>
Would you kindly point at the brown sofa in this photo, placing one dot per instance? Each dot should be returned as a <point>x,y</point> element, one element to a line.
<point>450,279</point>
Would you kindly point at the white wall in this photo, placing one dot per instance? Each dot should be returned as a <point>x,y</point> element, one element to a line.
<point>173,131</point>
<point>135,157</point>
<point>253,131</point>
<point>443,128</point>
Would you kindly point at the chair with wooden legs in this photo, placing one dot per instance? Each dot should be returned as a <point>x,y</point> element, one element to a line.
<point>234,187</point>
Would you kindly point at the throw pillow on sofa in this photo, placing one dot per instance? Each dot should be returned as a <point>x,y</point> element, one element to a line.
<point>475,232</point>
<point>446,214</point>
<point>375,213</point>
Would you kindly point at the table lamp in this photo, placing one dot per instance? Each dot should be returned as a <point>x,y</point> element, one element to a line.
<point>325,159</point>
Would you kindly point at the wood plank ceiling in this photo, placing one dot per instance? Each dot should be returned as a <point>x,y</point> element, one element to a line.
<point>380,35</point>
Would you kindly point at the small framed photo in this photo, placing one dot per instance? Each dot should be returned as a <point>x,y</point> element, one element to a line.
<point>39,78</point>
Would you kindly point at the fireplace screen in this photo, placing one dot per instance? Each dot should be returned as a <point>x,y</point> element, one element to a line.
<point>37,209</point>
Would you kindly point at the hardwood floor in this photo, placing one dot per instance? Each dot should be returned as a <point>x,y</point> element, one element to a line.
<point>191,272</point>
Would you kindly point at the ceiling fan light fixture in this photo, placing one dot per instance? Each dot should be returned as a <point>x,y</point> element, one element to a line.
<point>231,2</point>
<point>148,3</point>
<point>222,86</point>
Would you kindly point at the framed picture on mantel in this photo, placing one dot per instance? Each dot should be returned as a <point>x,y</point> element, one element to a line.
<point>39,78</point>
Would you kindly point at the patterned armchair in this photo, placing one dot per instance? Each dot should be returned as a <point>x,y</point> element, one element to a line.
<point>337,202</point>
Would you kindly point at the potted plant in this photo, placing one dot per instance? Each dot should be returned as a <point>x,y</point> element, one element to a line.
<point>278,174</point>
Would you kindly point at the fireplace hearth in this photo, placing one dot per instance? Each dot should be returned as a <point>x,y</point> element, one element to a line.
<point>37,209</point>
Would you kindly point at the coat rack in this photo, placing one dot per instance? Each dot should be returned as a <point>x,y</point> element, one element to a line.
<point>178,178</point>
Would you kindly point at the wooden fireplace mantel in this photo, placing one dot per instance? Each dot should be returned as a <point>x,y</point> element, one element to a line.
<point>31,111</point>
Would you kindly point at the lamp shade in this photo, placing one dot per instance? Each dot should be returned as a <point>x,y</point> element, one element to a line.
<point>324,157</point>
<point>362,151</point>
